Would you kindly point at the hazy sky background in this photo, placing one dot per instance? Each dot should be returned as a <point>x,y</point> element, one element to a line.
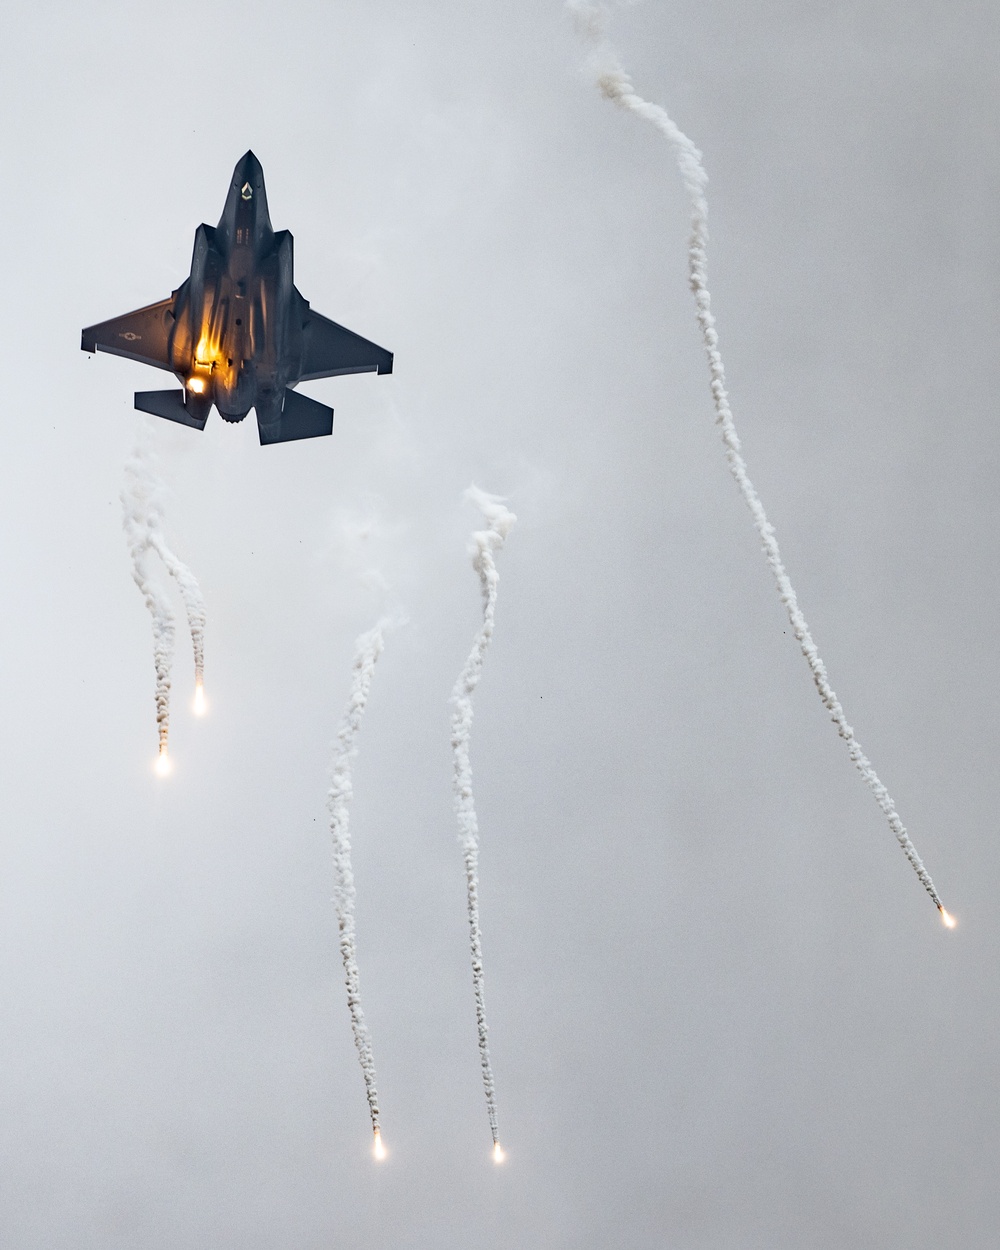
<point>725,1016</point>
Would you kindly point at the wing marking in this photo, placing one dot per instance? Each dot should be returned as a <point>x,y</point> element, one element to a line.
<point>143,335</point>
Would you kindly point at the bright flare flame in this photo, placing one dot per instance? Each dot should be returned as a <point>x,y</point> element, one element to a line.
<point>498,1154</point>
<point>163,764</point>
<point>197,385</point>
<point>948,918</point>
<point>200,706</point>
<point>378,1150</point>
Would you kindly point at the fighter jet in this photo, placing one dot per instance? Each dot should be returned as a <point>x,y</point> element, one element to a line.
<point>237,333</point>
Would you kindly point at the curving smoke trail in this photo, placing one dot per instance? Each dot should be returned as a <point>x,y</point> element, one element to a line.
<point>142,517</point>
<point>368,648</point>
<point>615,85</point>
<point>484,544</point>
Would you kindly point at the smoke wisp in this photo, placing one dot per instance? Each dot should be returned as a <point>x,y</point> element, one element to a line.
<point>485,543</point>
<point>139,504</point>
<point>142,519</point>
<point>194,601</point>
<point>615,85</point>
<point>368,648</point>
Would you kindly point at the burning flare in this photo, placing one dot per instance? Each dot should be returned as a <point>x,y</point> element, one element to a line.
<point>200,706</point>
<point>378,1150</point>
<point>498,1154</point>
<point>164,765</point>
<point>948,918</point>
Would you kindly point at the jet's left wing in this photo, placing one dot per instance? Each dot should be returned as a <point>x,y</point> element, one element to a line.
<point>329,349</point>
<point>143,335</point>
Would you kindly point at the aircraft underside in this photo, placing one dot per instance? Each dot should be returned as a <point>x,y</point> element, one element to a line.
<point>237,334</point>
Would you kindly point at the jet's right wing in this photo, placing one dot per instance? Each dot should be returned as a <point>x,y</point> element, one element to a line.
<point>329,349</point>
<point>143,335</point>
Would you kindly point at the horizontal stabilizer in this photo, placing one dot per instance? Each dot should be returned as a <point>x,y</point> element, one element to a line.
<point>169,404</point>
<point>301,417</point>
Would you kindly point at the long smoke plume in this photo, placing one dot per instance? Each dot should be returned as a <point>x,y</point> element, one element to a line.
<point>142,518</point>
<point>615,85</point>
<point>484,544</point>
<point>368,648</point>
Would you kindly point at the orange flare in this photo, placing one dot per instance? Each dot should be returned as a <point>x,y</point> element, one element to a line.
<point>948,918</point>
<point>200,706</point>
<point>498,1154</point>
<point>163,764</point>
<point>378,1150</point>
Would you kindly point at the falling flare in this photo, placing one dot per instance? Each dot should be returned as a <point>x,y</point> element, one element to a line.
<point>200,706</point>
<point>367,650</point>
<point>948,919</point>
<point>378,1150</point>
<point>484,544</point>
<point>615,85</point>
<point>498,1154</point>
<point>164,765</point>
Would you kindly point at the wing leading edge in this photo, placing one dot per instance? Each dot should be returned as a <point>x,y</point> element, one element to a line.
<point>329,349</point>
<point>143,335</point>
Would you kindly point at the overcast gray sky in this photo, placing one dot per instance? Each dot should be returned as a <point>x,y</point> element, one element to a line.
<point>724,1014</point>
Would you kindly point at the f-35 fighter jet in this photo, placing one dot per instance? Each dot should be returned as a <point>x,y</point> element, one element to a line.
<point>237,333</point>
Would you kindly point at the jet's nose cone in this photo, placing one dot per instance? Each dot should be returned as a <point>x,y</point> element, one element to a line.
<point>248,170</point>
<point>245,217</point>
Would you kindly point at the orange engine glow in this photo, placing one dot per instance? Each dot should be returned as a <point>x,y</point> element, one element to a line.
<point>203,352</point>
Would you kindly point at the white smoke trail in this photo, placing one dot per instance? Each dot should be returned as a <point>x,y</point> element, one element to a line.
<point>193,599</point>
<point>367,650</point>
<point>142,501</point>
<point>137,503</point>
<point>616,86</point>
<point>484,544</point>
